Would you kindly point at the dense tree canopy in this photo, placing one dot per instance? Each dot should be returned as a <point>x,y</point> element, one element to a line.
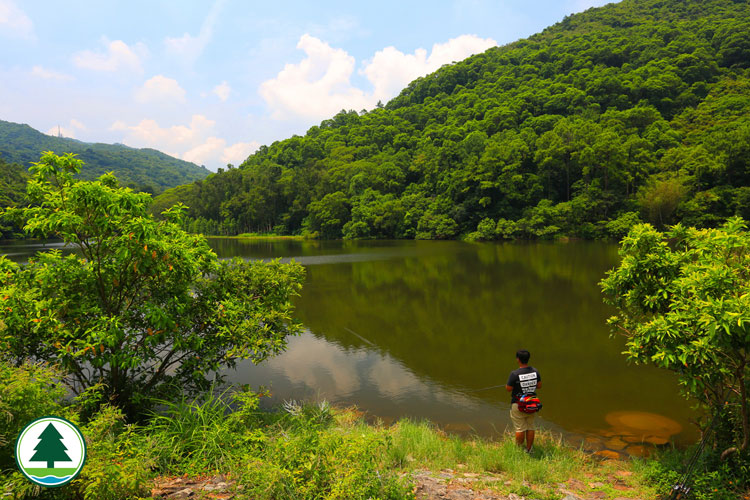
<point>634,111</point>
<point>12,193</point>
<point>141,169</point>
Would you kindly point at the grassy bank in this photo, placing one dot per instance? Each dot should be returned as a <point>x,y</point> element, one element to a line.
<point>312,451</point>
<point>262,236</point>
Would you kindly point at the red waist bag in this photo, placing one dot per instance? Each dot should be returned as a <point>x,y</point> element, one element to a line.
<point>529,403</point>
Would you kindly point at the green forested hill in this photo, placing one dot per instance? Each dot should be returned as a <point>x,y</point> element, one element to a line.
<point>634,111</point>
<point>143,169</point>
<point>13,179</point>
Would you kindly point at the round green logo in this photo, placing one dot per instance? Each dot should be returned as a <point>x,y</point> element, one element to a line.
<point>50,451</point>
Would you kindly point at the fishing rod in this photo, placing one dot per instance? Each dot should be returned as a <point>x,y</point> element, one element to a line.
<point>681,490</point>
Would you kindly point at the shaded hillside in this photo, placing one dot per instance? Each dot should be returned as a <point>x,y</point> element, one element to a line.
<point>143,169</point>
<point>633,111</point>
<point>12,192</point>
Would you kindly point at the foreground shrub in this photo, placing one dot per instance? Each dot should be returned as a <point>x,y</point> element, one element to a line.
<point>119,460</point>
<point>26,393</point>
<point>118,463</point>
<point>683,303</point>
<point>712,479</point>
<point>142,307</point>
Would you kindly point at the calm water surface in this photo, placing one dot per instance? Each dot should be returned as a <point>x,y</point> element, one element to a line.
<point>413,328</point>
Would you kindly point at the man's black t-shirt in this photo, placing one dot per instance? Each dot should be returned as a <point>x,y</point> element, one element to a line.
<point>523,381</point>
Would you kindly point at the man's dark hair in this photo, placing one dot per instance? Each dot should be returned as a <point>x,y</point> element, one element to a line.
<point>523,356</point>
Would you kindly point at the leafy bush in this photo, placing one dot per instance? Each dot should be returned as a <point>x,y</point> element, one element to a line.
<point>620,226</point>
<point>143,306</point>
<point>26,393</point>
<point>486,229</point>
<point>119,460</point>
<point>712,479</point>
<point>118,463</point>
<point>683,300</point>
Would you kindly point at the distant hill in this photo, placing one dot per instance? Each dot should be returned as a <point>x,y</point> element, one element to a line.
<point>144,169</point>
<point>635,111</point>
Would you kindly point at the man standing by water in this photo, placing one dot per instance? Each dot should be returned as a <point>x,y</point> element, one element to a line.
<point>524,380</point>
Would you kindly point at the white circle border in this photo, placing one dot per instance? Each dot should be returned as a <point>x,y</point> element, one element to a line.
<point>61,421</point>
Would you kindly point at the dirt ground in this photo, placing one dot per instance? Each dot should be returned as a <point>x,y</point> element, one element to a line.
<point>429,485</point>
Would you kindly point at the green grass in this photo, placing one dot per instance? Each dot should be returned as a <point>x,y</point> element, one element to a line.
<point>267,236</point>
<point>308,451</point>
<point>421,445</point>
<point>314,451</point>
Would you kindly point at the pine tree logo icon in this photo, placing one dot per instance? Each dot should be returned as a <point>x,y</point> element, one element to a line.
<point>50,451</point>
<point>50,448</point>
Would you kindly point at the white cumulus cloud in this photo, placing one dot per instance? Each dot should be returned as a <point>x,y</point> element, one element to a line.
<point>160,89</point>
<point>390,70</point>
<point>210,149</point>
<point>116,56</point>
<point>222,90</point>
<point>238,152</point>
<point>317,87</point>
<point>320,85</point>
<point>14,23</point>
<point>48,74</point>
<point>196,142</point>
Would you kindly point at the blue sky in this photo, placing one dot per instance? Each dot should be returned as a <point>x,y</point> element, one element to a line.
<point>211,81</point>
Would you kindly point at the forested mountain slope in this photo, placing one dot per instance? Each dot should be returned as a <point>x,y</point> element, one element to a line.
<point>13,179</point>
<point>142,169</point>
<point>634,111</point>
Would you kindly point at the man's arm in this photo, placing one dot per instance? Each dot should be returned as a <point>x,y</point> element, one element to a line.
<point>511,380</point>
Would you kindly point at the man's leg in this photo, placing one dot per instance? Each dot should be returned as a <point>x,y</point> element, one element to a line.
<point>529,439</point>
<point>518,423</point>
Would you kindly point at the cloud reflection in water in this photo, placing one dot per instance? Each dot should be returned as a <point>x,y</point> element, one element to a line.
<point>313,368</point>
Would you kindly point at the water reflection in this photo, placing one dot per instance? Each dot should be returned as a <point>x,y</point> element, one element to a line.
<point>451,315</point>
<point>313,368</point>
<point>411,328</point>
<point>21,251</point>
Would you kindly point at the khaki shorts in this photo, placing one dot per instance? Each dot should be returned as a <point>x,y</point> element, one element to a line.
<point>521,421</point>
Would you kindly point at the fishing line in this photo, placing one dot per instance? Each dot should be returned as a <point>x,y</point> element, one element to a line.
<point>359,336</point>
<point>487,388</point>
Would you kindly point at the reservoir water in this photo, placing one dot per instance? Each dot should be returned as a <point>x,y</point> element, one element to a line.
<point>415,328</point>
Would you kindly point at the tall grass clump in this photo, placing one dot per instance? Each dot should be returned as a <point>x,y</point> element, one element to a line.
<point>205,434</point>
<point>315,452</point>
